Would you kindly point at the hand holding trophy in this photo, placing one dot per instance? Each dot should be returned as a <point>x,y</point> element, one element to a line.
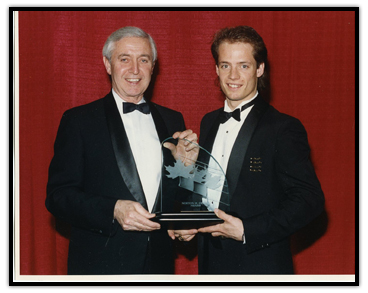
<point>193,184</point>
<point>185,149</point>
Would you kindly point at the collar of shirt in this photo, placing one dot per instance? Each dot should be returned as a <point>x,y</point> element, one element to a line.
<point>243,113</point>
<point>120,100</point>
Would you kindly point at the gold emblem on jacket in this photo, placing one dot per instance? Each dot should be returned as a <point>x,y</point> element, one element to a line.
<point>255,164</point>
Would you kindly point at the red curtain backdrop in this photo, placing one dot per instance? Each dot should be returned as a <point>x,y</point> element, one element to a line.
<point>312,61</point>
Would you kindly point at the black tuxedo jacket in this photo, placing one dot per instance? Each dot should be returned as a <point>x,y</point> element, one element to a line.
<point>92,168</point>
<point>273,190</point>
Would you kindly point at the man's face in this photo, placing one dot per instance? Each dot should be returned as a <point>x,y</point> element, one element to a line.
<point>131,68</point>
<point>238,72</point>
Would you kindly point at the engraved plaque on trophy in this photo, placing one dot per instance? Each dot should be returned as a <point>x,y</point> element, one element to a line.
<point>191,189</point>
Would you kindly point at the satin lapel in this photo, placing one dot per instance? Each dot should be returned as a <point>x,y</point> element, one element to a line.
<point>160,125</point>
<point>209,139</point>
<point>241,143</point>
<point>163,134</point>
<point>123,153</point>
<point>208,142</point>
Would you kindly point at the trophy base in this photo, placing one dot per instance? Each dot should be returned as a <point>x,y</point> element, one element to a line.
<point>187,220</point>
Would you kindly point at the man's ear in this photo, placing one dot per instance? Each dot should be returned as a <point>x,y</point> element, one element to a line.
<point>107,65</point>
<point>153,67</point>
<point>260,70</point>
<point>217,70</point>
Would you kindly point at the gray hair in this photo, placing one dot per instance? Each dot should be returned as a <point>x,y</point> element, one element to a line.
<point>125,32</point>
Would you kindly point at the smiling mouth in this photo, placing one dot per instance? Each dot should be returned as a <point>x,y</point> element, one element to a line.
<point>234,86</point>
<point>133,80</point>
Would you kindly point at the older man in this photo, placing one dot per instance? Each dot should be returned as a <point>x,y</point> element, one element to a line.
<point>105,174</point>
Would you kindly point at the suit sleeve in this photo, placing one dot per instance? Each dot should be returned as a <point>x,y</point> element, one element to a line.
<point>66,198</point>
<point>303,198</point>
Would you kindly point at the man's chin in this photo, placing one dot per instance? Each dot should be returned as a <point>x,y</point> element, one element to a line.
<point>234,99</point>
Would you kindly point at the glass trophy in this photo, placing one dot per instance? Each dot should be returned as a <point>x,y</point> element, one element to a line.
<point>191,188</point>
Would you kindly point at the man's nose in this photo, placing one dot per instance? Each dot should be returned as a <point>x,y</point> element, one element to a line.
<point>234,74</point>
<point>134,67</point>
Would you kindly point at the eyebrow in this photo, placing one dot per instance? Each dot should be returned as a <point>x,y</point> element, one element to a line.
<point>241,62</point>
<point>128,55</point>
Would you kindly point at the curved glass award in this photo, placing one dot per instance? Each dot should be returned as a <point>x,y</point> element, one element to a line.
<point>191,188</point>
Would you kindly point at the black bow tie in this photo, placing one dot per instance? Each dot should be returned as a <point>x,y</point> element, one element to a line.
<point>130,107</point>
<point>224,116</point>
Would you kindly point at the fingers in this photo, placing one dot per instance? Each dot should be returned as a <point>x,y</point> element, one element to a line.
<point>215,231</point>
<point>171,234</point>
<point>219,229</point>
<point>186,238</point>
<point>142,211</point>
<point>232,227</point>
<point>133,217</point>
<point>136,222</point>
<point>191,146</point>
<point>185,150</point>
<point>215,228</point>
<point>222,215</point>
<point>188,136</point>
<point>210,229</point>
<point>182,134</point>
<point>191,137</point>
<point>218,234</point>
<point>169,146</point>
<point>190,140</point>
<point>182,235</point>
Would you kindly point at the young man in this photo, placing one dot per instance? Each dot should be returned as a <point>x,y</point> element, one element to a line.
<point>105,174</point>
<point>273,188</point>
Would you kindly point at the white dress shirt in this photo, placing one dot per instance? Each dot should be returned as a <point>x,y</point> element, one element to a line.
<point>146,148</point>
<point>222,147</point>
